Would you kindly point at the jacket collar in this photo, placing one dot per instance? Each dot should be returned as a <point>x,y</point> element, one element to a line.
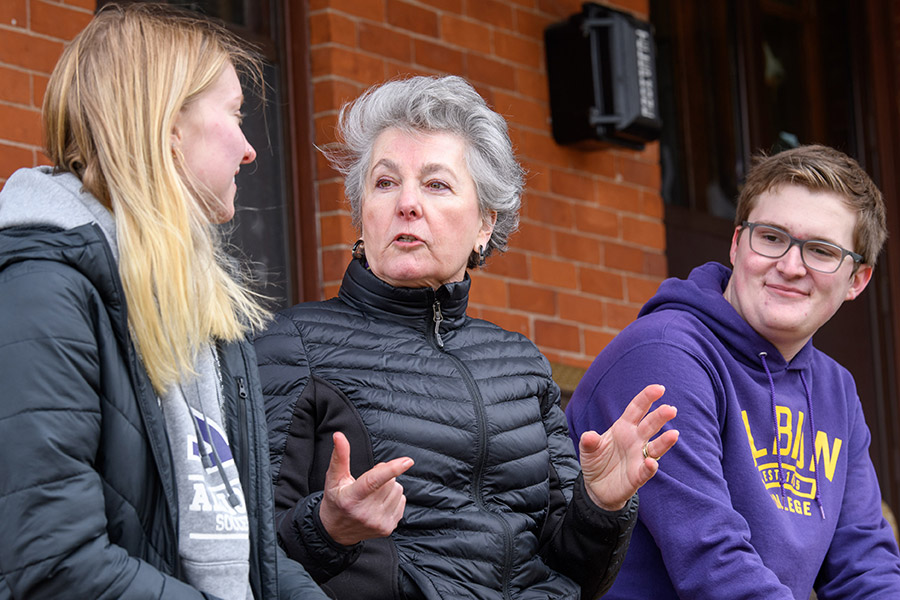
<point>84,248</point>
<point>362,290</point>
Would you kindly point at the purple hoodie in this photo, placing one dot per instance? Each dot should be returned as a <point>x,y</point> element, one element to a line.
<point>716,521</point>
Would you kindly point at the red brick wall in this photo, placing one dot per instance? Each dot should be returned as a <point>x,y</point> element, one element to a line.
<point>590,249</point>
<point>32,34</point>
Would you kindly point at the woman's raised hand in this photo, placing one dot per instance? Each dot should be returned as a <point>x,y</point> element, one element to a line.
<point>622,459</point>
<point>353,510</point>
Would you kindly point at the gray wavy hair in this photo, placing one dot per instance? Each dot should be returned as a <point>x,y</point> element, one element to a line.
<point>434,104</point>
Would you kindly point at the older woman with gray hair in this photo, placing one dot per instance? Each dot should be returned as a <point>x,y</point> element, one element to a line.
<point>462,481</point>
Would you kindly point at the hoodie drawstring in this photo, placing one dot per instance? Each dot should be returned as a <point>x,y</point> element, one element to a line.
<point>762,357</point>
<point>812,433</point>
<point>215,460</point>
<point>232,497</point>
<point>208,461</point>
<point>812,443</point>
<point>201,447</point>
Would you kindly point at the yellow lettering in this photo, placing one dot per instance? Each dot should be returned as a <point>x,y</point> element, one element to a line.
<point>798,507</point>
<point>784,429</point>
<point>756,453</point>
<point>827,455</point>
<point>798,442</point>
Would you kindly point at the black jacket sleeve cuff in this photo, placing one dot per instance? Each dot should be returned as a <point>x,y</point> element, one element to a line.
<point>305,540</point>
<point>595,541</point>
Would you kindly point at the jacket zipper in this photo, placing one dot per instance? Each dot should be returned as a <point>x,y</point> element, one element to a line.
<point>438,319</point>
<point>244,443</point>
<point>245,421</point>
<point>478,472</point>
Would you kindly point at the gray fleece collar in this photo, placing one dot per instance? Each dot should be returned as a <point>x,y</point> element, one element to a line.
<point>38,196</point>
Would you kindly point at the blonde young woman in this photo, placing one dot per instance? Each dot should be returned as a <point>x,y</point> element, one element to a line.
<point>131,426</point>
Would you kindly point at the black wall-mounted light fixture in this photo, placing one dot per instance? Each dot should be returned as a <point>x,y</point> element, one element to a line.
<point>601,68</point>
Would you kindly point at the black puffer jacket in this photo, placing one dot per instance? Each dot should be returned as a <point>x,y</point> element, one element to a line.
<point>87,497</point>
<point>495,503</point>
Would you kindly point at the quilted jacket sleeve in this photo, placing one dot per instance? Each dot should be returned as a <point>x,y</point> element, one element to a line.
<point>294,443</point>
<point>294,583</point>
<point>580,540</point>
<point>53,536</point>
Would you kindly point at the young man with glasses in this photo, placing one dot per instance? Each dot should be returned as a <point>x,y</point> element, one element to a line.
<point>770,492</point>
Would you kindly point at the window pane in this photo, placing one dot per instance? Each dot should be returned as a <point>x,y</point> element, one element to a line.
<point>230,11</point>
<point>260,221</point>
<point>785,88</point>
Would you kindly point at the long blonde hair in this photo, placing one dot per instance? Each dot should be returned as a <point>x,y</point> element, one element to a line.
<point>108,117</point>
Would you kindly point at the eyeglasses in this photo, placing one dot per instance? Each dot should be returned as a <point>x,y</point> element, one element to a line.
<point>817,255</point>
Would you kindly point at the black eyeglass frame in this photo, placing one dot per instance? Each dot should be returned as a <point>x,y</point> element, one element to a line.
<point>857,258</point>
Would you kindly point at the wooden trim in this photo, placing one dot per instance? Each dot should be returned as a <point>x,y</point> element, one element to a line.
<point>884,164</point>
<point>299,139</point>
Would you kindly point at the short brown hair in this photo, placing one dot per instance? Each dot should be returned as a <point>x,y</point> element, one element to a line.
<point>823,169</point>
